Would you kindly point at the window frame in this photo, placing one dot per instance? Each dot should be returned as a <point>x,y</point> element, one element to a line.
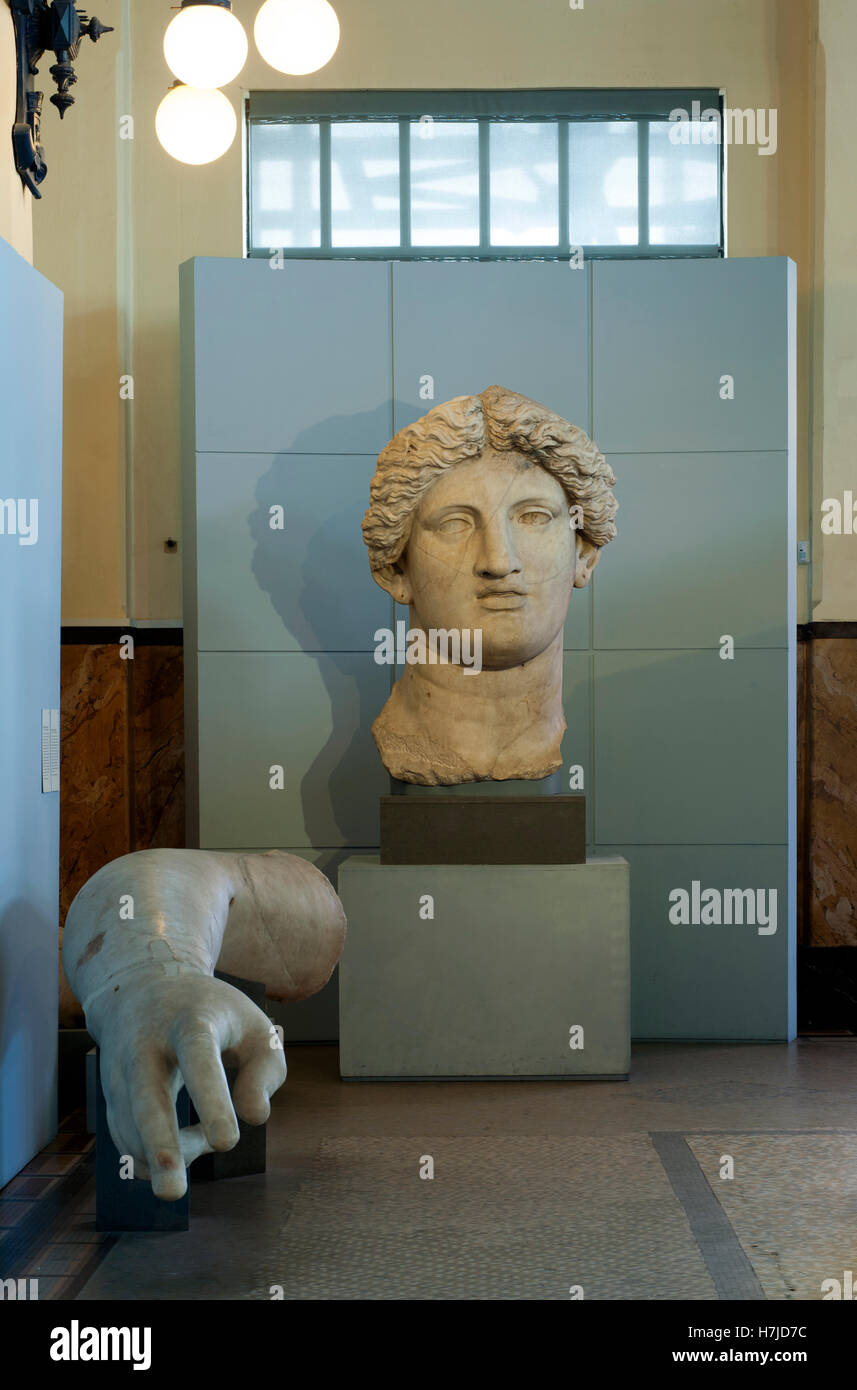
<point>563,106</point>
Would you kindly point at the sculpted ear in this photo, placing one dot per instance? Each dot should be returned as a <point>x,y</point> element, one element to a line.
<point>395,580</point>
<point>588,556</point>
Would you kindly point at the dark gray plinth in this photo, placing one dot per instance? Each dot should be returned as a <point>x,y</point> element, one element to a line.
<point>478,971</point>
<point>129,1204</point>
<point>248,1156</point>
<point>483,829</point>
<point>512,786</point>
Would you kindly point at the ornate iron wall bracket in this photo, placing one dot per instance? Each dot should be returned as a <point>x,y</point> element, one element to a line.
<point>45,26</point>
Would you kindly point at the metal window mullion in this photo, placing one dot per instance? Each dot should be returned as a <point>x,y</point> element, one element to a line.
<point>563,187</point>
<point>642,185</point>
<point>484,188</point>
<point>324,174</point>
<point>405,184</point>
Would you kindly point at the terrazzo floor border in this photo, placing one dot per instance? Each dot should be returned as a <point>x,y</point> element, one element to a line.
<point>731,1271</point>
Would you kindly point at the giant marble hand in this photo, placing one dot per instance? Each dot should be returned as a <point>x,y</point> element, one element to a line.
<point>484,516</point>
<point>142,939</point>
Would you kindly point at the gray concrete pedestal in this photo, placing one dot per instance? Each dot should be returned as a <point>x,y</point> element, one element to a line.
<point>485,970</point>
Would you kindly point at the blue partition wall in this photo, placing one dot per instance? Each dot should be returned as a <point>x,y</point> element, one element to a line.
<point>30,490</point>
<point>294,378</point>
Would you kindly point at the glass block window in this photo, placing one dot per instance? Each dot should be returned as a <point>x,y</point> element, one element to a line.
<point>443,159</point>
<point>365,196</point>
<point>483,175</point>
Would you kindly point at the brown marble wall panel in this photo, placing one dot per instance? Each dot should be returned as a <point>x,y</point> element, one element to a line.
<point>122,764</point>
<point>157,700</point>
<point>93,772</point>
<point>803,877</point>
<point>832,752</point>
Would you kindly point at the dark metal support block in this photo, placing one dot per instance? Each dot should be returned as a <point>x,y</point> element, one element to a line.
<point>483,830</point>
<point>250,1153</point>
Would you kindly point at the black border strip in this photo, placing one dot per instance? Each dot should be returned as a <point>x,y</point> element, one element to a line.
<point>730,1270</point>
<point>174,636</point>
<point>106,636</point>
<point>508,103</point>
<point>806,632</point>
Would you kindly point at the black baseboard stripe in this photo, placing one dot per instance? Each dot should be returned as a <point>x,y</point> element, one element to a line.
<point>108,636</point>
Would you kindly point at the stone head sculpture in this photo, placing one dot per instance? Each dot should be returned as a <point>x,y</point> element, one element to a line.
<point>484,515</point>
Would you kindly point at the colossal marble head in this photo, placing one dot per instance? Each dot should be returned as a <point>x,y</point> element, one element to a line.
<point>483,516</point>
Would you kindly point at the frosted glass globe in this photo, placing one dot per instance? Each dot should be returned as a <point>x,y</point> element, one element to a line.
<point>196,125</point>
<point>297,36</point>
<point>205,46</point>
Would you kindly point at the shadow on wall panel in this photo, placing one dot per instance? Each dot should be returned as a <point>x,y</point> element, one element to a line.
<point>279,350</point>
<point>308,714</point>
<point>665,334</point>
<point>702,553</point>
<point>462,326</point>
<point>281,562</point>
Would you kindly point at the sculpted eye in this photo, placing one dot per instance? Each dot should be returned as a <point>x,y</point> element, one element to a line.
<point>454,525</point>
<point>534,517</point>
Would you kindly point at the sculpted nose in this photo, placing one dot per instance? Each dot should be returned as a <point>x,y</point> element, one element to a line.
<point>497,555</point>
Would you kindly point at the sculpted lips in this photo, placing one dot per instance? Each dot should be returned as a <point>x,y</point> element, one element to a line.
<point>499,598</point>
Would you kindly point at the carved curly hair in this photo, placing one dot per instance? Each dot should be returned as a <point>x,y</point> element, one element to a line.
<point>462,429</point>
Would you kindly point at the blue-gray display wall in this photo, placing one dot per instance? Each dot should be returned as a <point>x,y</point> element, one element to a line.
<point>679,662</point>
<point>31,374</point>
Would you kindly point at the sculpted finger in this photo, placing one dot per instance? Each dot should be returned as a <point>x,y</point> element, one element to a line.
<point>201,1067</point>
<point>154,1113</point>
<point>121,1125</point>
<point>126,1141</point>
<point>260,1075</point>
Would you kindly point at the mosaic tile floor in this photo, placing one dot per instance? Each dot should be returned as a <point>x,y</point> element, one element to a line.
<point>538,1187</point>
<point>47,1216</point>
<point>792,1202</point>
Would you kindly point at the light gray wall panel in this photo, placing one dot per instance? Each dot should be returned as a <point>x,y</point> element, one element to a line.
<point>470,325</point>
<point>293,359</point>
<point>707,981</point>
<point>312,716</point>
<point>306,587</point>
<point>31,374</point>
<point>577,740</point>
<point>702,551</point>
<point>665,332</point>
<point>690,748</point>
<point>578,625</point>
<point>686,756</point>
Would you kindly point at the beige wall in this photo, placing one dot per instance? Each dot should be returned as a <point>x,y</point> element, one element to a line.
<point>119,216</point>
<point>835,317</point>
<point>16,220</point>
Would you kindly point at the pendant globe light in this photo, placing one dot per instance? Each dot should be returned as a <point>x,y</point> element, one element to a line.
<point>205,45</point>
<point>196,125</point>
<point>297,36</point>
